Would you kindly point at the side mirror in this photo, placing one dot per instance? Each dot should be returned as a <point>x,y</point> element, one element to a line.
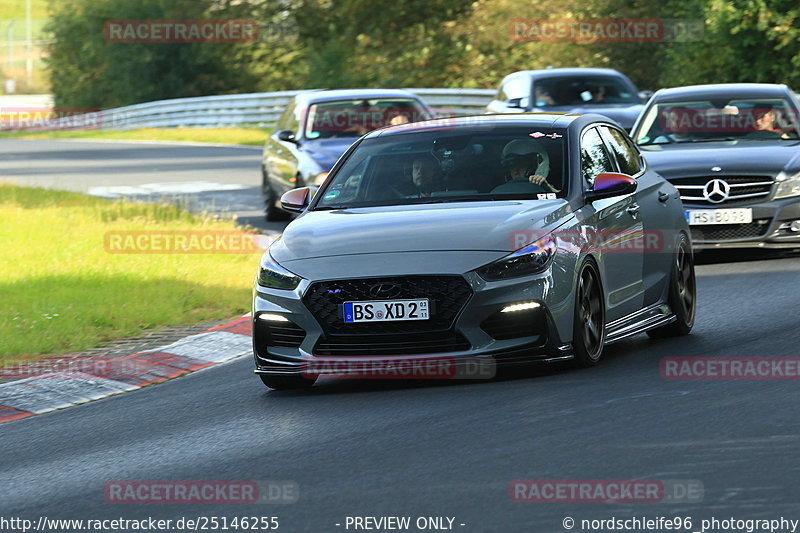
<point>644,96</point>
<point>296,200</point>
<point>610,184</point>
<point>287,136</point>
<point>518,103</point>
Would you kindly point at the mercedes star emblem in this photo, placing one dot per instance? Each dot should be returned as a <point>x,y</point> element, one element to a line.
<point>717,191</point>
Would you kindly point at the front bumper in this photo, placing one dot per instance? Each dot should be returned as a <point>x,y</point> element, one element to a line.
<point>769,229</point>
<point>479,331</point>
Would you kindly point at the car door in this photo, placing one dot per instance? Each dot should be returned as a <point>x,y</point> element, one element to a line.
<point>654,195</point>
<point>617,222</point>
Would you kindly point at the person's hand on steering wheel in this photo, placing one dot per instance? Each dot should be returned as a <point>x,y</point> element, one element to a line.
<point>541,181</point>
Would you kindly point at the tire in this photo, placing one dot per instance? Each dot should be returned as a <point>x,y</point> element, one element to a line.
<point>589,320</point>
<point>287,382</point>
<point>272,213</point>
<point>682,294</point>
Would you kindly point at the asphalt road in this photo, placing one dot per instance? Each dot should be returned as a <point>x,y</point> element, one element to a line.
<point>372,448</point>
<point>399,448</point>
<point>220,179</point>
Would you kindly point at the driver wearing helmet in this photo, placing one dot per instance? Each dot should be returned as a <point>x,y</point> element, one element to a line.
<point>527,161</point>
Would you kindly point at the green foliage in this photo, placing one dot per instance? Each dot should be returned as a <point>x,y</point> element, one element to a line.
<point>745,40</point>
<point>406,43</point>
<point>87,71</point>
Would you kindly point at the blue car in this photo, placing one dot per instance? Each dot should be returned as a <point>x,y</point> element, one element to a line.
<point>317,127</point>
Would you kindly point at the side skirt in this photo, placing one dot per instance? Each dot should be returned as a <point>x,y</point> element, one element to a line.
<point>648,318</point>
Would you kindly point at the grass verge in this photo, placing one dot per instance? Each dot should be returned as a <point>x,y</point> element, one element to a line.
<point>248,136</point>
<point>63,291</point>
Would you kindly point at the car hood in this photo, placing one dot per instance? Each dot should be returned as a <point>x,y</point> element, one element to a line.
<point>625,114</point>
<point>326,152</point>
<point>458,226</point>
<point>752,157</point>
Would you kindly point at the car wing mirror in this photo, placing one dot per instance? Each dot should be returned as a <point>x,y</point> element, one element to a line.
<point>296,200</point>
<point>610,184</point>
<point>518,103</point>
<point>287,136</point>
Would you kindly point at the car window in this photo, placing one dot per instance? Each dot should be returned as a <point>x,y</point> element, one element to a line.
<point>718,119</point>
<point>594,158</point>
<point>354,118</point>
<point>450,165</point>
<point>626,155</point>
<point>583,91</point>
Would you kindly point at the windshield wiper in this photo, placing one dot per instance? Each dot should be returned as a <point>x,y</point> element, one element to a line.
<point>713,139</point>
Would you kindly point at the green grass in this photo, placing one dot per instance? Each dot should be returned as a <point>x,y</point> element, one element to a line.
<point>62,291</point>
<point>251,136</point>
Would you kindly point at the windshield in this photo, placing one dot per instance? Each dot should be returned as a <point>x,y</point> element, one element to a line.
<point>713,120</point>
<point>354,118</point>
<point>479,163</point>
<point>582,91</point>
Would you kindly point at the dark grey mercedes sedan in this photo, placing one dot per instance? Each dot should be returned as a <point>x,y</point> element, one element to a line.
<point>504,238</point>
<point>733,152</point>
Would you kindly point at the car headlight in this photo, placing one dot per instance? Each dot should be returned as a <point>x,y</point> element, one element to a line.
<point>788,187</point>
<point>274,276</point>
<point>319,179</point>
<point>530,259</point>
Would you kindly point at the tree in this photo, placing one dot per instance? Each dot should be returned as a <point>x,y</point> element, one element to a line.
<point>88,71</point>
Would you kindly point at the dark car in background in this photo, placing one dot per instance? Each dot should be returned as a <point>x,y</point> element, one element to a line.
<point>570,90</point>
<point>733,152</point>
<point>318,126</point>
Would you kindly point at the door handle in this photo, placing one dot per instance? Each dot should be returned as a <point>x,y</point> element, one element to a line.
<point>633,210</point>
<point>663,197</point>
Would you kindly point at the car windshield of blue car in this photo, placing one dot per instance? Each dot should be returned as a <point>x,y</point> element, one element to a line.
<point>726,120</point>
<point>481,163</point>
<point>354,118</point>
<point>582,91</point>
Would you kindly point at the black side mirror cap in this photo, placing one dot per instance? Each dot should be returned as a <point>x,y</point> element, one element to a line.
<point>287,136</point>
<point>610,184</point>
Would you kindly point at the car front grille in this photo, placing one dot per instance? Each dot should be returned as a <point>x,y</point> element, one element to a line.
<point>743,189</point>
<point>397,344</point>
<point>447,296</point>
<point>731,232</point>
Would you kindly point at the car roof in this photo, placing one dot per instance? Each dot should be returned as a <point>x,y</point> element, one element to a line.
<point>559,72</point>
<point>721,90</point>
<point>311,97</point>
<point>539,120</point>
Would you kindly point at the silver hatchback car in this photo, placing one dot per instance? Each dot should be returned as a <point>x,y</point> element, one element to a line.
<point>495,238</point>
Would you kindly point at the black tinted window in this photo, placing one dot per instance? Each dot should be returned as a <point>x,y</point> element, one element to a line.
<point>594,158</point>
<point>626,155</point>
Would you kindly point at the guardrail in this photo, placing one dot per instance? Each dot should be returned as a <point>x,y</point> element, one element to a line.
<point>254,109</point>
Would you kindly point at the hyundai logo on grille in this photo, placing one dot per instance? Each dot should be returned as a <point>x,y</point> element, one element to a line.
<point>717,191</point>
<point>384,290</point>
